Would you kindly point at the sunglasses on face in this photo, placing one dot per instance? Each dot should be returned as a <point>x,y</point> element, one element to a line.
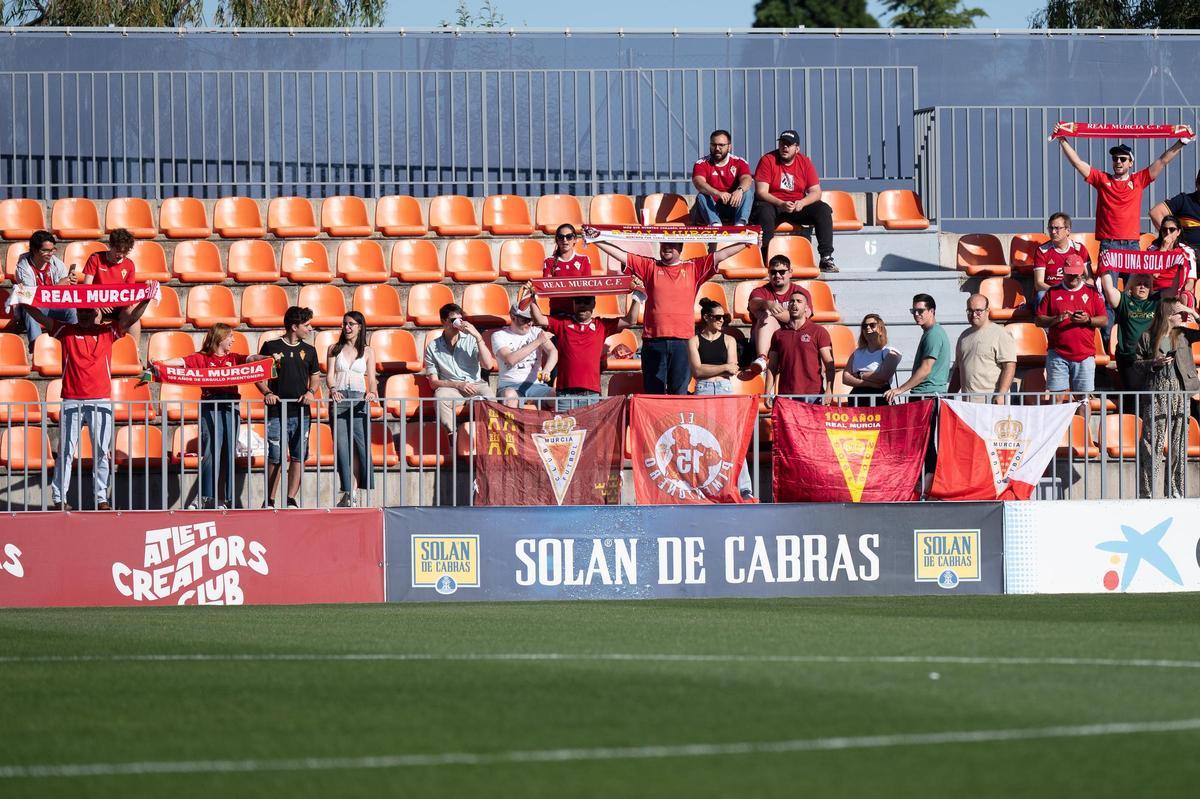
<point>917,311</point>
<point>1117,159</point>
<point>565,236</point>
<point>870,325</point>
<point>1170,230</point>
<point>780,271</point>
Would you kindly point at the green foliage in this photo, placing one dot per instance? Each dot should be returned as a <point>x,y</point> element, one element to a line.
<point>932,14</point>
<point>300,13</point>
<point>813,14</point>
<point>1135,14</point>
<point>101,13</point>
<point>488,16</point>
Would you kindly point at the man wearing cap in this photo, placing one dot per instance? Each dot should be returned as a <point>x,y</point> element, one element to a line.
<point>788,189</point>
<point>1071,312</point>
<point>724,183</point>
<point>526,357</point>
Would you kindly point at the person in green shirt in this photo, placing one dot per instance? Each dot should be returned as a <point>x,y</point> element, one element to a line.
<point>1134,313</point>
<point>931,365</point>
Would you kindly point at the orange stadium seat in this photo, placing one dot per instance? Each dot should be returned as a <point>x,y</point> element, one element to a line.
<point>453,215</point>
<point>14,355</point>
<point>665,209</point>
<point>746,264</point>
<point>185,446</point>
<point>149,260</point>
<point>6,314</point>
<point>1146,240</point>
<point>183,218</point>
<point>345,217</point>
<point>521,259</point>
<point>53,403</point>
<point>306,262</point>
<point>425,301</point>
<point>20,218</point>
<point>799,251</point>
<point>1122,432</point>
<point>25,449</point>
<point>693,249</point>
<point>845,341</point>
<point>19,402</point>
<point>1006,301</point>
<point>328,304</point>
<point>824,308</point>
<point>320,446</point>
<point>240,343</point>
<point>399,215</point>
<point>379,305</point>
<point>741,299</point>
<point>754,387</point>
<point>470,261</point>
<point>264,306</point>
<point>506,215</point>
<point>425,444</point>
<point>75,218</point>
<point>138,446</point>
<point>291,218</point>
<point>197,262</point>
<point>238,218</point>
<point>15,251</point>
<point>77,252</point>
<point>625,383</point>
<point>179,403</point>
<point>252,407</point>
<point>252,261</point>
<point>322,342</point>
<point>845,215</point>
<point>167,344</point>
<point>1021,250</point>
<point>1077,441</point>
<point>612,209</point>
<point>131,401</point>
<point>47,356</point>
<point>1102,357</point>
<point>557,209</point>
<point>207,305</point>
<point>361,261</point>
<point>627,338</point>
<point>1193,445</point>
<point>900,209</point>
<point>125,361</point>
<point>163,313</point>
<point>1031,343</point>
<point>131,213</point>
<point>416,262</point>
<point>981,254</point>
<point>406,394</point>
<point>383,446</point>
<point>1089,241</point>
<point>712,291</point>
<point>486,304</point>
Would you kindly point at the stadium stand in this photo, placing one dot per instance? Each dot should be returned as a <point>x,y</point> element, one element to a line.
<point>797,250</point>
<point>361,261</point>
<point>453,215</point>
<point>380,305</point>
<point>20,218</point>
<point>416,262</point>
<point>75,218</point>
<point>197,262</point>
<point>264,306</point>
<point>470,261</point>
<point>165,312</point>
<point>506,215</point>
<point>19,402</point>
<point>291,218</point>
<point>183,218</point>
<point>521,259</point>
<point>238,218</point>
<point>209,304</point>
<point>1006,301</point>
<point>150,261</point>
<point>557,209</point>
<point>345,217</point>
<point>845,214</point>
<point>328,304</point>
<point>399,215</point>
<point>306,262</point>
<point>900,209</point>
<point>982,254</point>
<point>252,261</point>
<point>612,209</point>
<point>14,356</point>
<point>131,213</point>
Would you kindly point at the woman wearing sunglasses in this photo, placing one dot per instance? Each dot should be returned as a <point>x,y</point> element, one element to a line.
<point>565,262</point>
<point>871,367</point>
<point>1181,281</point>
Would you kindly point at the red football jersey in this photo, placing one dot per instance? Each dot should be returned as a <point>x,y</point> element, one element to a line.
<point>87,360</point>
<point>1073,341</point>
<point>723,177</point>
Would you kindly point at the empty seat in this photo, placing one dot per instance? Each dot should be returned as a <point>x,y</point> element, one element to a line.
<point>409,396</point>
<point>1021,250</point>
<point>712,291</point>
<point>14,355</point>
<point>557,209</point>
<point>238,218</point>
<point>47,356</point>
<point>624,383</point>
<point>1006,301</point>
<point>252,261</point>
<point>19,402</point>
<point>425,444</point>
<point>361,262</point>
<point>20,218</point>
<point>416,262</point>
<point>741,299</point>
<point>486,304</point>
<point>900,209</point>
<point>383,446</point>
<point>746,264</point>
<point>321,343</point>
<point>844,341</point>
<point>164,312</point>
<point>291,218</point>
<point>623,338</point>
<point>396,351</point>
<point>754,387</point>
<point>506,215</point>
<point>6,314</point>
<point>150,261</point>
<point>1122,432</point>
<point>453,215</point>
<point>470,261</point>
<point>14,253</point>
<point>1077,441</point>
<point>264,306</point>
<point>981,254</point>
<point>320,446</point>
<point>252,407</point>
<point>197,262</point>
<point>183,218</point>
<point>328,304</point>
<point>425,301</point>
<point>75,218</point>
<point>185,446</point>
<point>343,217</point>
<point>1091,243</point>
<point>665,209</point>
<point>239,344</point>
<point>167,344</point>
<point>207,305</point>
<point>131,400</point>
<point>399,215</point>
<point>77,252</point>
<point>612,209</point>
<point>1031,343</point>
<point>306,262</point>
<point>845,215</point>
<point>25,449</point>
<point>379,304</point>
<point>130,213</point>
<point>1193,438</point>
<point>522,259</point>
<point>138,446</point>
<point>824,308</point>
<point>799,251</point>
<point>125,361</point>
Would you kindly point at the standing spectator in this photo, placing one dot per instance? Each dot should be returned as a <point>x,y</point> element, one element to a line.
<point>1119,195</point>
<point>1180,282</point>
<point>86,393</point>
<point>1185,207</point>
<point>986,356</point>
<point>800,362</point>
<point>1135,312</point>
<point>41,267</point>
<point>298,376</point>
<point>724,183</point>
<point>454,363</point>
<point>1071,312</point>
<point>218,415</point>
<point>671,286</point>
<point>788,189</point>
<point>1050,258</point>
<point>565,262</point>
<point>713,357</point>
<point>114,267</point>
<point>931,365</point>
<point>871,367</point>
<point>768,307</point>
<point>352,387</point>
<point>580,344</point>
<point>526,357</point>
<point>1164,358</point>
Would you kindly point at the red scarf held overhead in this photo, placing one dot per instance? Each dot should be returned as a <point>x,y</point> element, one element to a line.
<point>1104,130</point>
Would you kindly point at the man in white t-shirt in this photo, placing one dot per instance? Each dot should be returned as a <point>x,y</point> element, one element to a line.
<point>526,356</point>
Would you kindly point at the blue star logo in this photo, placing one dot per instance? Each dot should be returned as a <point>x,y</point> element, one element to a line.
<point>1145,546</point>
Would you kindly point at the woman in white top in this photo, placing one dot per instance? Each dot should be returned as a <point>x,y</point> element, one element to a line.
<point>872,366</point>
<point>352,386</point>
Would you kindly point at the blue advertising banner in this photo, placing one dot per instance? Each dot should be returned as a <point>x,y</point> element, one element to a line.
<point>666,552</point>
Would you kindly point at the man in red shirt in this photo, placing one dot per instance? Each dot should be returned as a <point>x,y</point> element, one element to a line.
<point>788,189</point>
<point>86,391</point>
<point>725,184</point>
<point>671,286</point>
<point>113,267</point>
<point>1071,312</point>
<point>768,307</point>
<point>1050,258</point>
<point>800,362</point>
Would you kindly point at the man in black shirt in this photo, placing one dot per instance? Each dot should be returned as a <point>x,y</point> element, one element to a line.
<point>1185,207</point>
<point>298,374</point>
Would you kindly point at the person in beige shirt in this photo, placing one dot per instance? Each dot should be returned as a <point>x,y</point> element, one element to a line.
<point>986,356</point>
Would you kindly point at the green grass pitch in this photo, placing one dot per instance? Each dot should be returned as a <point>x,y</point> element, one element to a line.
<point>595,725</point>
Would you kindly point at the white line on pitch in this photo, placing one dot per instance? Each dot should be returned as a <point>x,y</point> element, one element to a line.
<point>598,753</point>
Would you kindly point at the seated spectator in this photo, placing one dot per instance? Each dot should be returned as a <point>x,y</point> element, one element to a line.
<point>1071,312</point>
<point>526,357</point>
<point>985,360</point>
<point>1134,312</point>
<point>1050,258</point>
<point>931,363</point>
<point>352,387</point>
<point>800,361</point>
<point>714,360</point>
<point>565,263</point>
<point>114,267</point>
<point>871,367</point>
<point>1181,281</point>
<point>724,183</point>
<point>768,306</point>
<point>454,363</point>
<point>788,189</point>
<point>1185,207</point>
<point>41,267</point>
<point>287,395</point>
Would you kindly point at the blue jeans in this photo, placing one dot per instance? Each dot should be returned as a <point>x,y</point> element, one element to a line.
<point>33,328</point>
<point>714,212</point>
<point>1062,374</point>
<point>297,433</point>
<point>97,415</point>
<point>665,366</point>
<point>716,386</point>
<point>351,426</point>
<point>218,447</point>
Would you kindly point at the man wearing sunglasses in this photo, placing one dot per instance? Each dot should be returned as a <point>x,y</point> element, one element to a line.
<point>931,364</point>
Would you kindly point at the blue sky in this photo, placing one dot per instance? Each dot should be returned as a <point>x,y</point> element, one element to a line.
<point>640,14</point>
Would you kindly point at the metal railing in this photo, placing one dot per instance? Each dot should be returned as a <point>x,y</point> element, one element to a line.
<point>158,134</point>
<point>159,451</point>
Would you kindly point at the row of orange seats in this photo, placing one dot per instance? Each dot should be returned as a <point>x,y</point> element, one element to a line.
<point>983,254</point>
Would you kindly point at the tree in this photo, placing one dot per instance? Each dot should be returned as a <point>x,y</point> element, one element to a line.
<point>102,13</point>
<point>1113,14</point>
<point>488,16</point>
<point>932,14</point>
<point>300,13</point>
<point>813,14</point>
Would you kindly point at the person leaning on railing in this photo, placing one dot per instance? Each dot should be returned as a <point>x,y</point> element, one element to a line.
<point>297,378</point>
<point>352,387</point>
<point>218,414</point>
<point>870,368</point>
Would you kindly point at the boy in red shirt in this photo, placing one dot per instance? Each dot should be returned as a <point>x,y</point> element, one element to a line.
<point>1071,312</point>
<point>787,188</point>
<point>113,267</point>
<point>800,361</point>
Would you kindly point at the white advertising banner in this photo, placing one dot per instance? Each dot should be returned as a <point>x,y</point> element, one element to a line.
<point>1100,547</point>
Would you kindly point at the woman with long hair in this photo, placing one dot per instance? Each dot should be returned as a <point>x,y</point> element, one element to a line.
<point>871,367</point>
<point>1164,359</point>
<point>1181,281</point>
<point>565,262</point>
<point>352,387</point>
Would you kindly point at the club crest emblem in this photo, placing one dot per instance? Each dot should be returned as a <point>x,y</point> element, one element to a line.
<point>1006,449</point>
<point>558,446</point>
